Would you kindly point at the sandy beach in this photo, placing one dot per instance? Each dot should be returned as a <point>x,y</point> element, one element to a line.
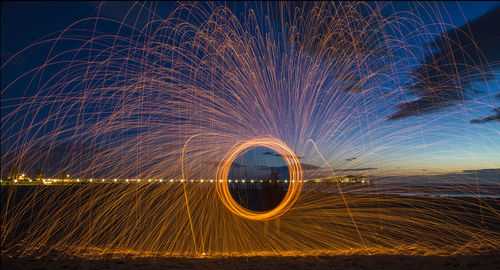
<point>486,261</point>
<point>408,256</point>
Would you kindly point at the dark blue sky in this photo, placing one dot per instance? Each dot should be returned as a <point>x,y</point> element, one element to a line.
<point>467,146</point>
<point>23,23</point>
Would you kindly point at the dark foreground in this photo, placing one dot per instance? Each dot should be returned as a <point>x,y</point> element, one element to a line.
<point>487,261</point>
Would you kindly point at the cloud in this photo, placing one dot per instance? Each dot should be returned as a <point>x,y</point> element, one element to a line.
<point>307,167</point>
<point>464,177</point>
<point>216,163</point>
<point>462,57</point>
<point>495,117</point>
<point>355,170</point>
<point>269,153</point>
<point>304,166</point>
<point>495,171</point>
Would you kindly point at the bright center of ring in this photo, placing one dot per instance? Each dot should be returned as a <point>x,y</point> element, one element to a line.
<point>295,184</point>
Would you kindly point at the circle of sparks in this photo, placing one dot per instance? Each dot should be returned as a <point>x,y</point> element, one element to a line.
<point>294,188</point>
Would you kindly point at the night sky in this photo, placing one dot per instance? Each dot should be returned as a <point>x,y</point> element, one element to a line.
<point>453,138</point>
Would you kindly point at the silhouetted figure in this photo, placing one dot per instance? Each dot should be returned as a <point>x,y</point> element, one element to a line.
<point>38,174</point>
<point>273,192</point>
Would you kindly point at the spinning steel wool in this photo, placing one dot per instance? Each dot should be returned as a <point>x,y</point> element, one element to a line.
<point>151,118</point>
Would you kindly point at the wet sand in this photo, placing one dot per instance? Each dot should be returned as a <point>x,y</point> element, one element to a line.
<point>485,261</point>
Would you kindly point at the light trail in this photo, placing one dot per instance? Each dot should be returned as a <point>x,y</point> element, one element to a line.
<point>291,195</point>
<point>164,106</point>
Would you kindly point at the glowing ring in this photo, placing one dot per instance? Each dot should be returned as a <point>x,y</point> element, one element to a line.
<point>294,188</point>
